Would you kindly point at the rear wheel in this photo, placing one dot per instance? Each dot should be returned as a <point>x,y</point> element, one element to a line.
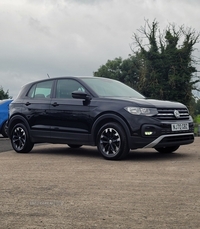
<point>112,142</point>
<point>20,139</point>
<point>170,149</point>
<point>4,130</point>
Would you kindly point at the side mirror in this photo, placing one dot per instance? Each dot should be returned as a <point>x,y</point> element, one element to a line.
<point>81,95</point>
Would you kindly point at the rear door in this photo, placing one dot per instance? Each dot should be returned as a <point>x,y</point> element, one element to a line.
<point>36,108</point>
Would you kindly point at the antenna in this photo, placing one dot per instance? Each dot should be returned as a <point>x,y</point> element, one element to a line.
<point>48,75</point>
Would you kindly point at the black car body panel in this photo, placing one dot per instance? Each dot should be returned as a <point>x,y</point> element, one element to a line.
<point>66,117</point>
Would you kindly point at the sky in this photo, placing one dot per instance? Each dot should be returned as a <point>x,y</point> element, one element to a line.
<point>76,37</point>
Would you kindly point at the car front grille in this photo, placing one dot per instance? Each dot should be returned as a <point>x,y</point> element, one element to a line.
<point>168,114</point>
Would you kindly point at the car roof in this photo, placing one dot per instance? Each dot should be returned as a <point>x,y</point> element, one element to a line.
<point>60,77</point>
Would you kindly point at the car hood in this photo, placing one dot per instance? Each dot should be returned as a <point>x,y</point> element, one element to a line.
<point>153,103</point>
<point>159,103</point>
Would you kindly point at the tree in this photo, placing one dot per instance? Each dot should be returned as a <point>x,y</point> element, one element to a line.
<point>168,68</point>
<point>125,71</point>
<point>197,107</point>
<point>3,94</point>
<point>163,67</point>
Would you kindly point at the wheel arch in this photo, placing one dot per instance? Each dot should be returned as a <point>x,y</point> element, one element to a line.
<point>15,120</point>
<point>109,117</point>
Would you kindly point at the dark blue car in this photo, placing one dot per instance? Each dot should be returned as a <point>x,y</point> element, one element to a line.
<point>4,108</point>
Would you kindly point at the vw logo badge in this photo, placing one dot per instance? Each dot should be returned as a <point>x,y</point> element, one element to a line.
<point>177,114</point>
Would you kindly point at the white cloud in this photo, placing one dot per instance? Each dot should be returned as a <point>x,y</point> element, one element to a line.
<point>75,37</point>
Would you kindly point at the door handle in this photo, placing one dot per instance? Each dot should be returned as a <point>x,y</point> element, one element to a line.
<point>27,103</point>
<point>55,104</point>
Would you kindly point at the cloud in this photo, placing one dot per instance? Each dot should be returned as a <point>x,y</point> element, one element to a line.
<point>75,37</point>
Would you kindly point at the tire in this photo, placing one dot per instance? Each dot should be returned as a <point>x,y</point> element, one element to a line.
<point>20,139</point>
<point>112,142</point>
<point>170,149</point>
<point>4,130</point>
<point>74,146</point>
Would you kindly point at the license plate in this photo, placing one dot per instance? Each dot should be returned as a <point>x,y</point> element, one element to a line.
<point>180,126</point>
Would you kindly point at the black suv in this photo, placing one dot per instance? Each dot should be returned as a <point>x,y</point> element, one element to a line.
<point>98,112</point>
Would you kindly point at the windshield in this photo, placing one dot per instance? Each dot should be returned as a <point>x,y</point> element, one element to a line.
<point>111,88</point>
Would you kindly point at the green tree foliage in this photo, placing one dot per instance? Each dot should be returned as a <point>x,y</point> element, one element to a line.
<point>167,71</point>
<point>197,107</point>
<point>161,66</point>
<point>125,71</point>
<point>3,94</point>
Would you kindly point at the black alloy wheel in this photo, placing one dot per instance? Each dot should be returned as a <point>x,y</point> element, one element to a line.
<point>20,139</point>
<point>112,142</point>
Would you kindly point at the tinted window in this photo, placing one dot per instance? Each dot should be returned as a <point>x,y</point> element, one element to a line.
<point>41,90</point>
<point>65,87</point>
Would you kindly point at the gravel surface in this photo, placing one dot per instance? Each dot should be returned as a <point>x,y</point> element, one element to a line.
<point>56,187</point>
<point>5,144</point>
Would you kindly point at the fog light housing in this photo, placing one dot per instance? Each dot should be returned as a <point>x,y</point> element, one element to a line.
<point>148,133</point>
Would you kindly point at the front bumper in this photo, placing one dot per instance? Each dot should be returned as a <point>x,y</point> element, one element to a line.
<point>160,135</point>
<point>171,140</point>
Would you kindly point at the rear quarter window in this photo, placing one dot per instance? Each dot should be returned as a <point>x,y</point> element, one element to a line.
<point>41,90</point>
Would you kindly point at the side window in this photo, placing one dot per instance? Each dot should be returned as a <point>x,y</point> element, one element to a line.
<point>65,87</point>
<point>41,90</point>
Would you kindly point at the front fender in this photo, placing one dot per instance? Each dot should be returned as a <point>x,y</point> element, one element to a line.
<point>105,118</point>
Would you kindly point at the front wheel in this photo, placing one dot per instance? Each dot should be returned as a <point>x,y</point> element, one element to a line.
<point>112,142</point>
<point>20,139</point>
<point>169,149</point>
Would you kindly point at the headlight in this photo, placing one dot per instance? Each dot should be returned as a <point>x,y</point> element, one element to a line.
<point>142,111</point>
